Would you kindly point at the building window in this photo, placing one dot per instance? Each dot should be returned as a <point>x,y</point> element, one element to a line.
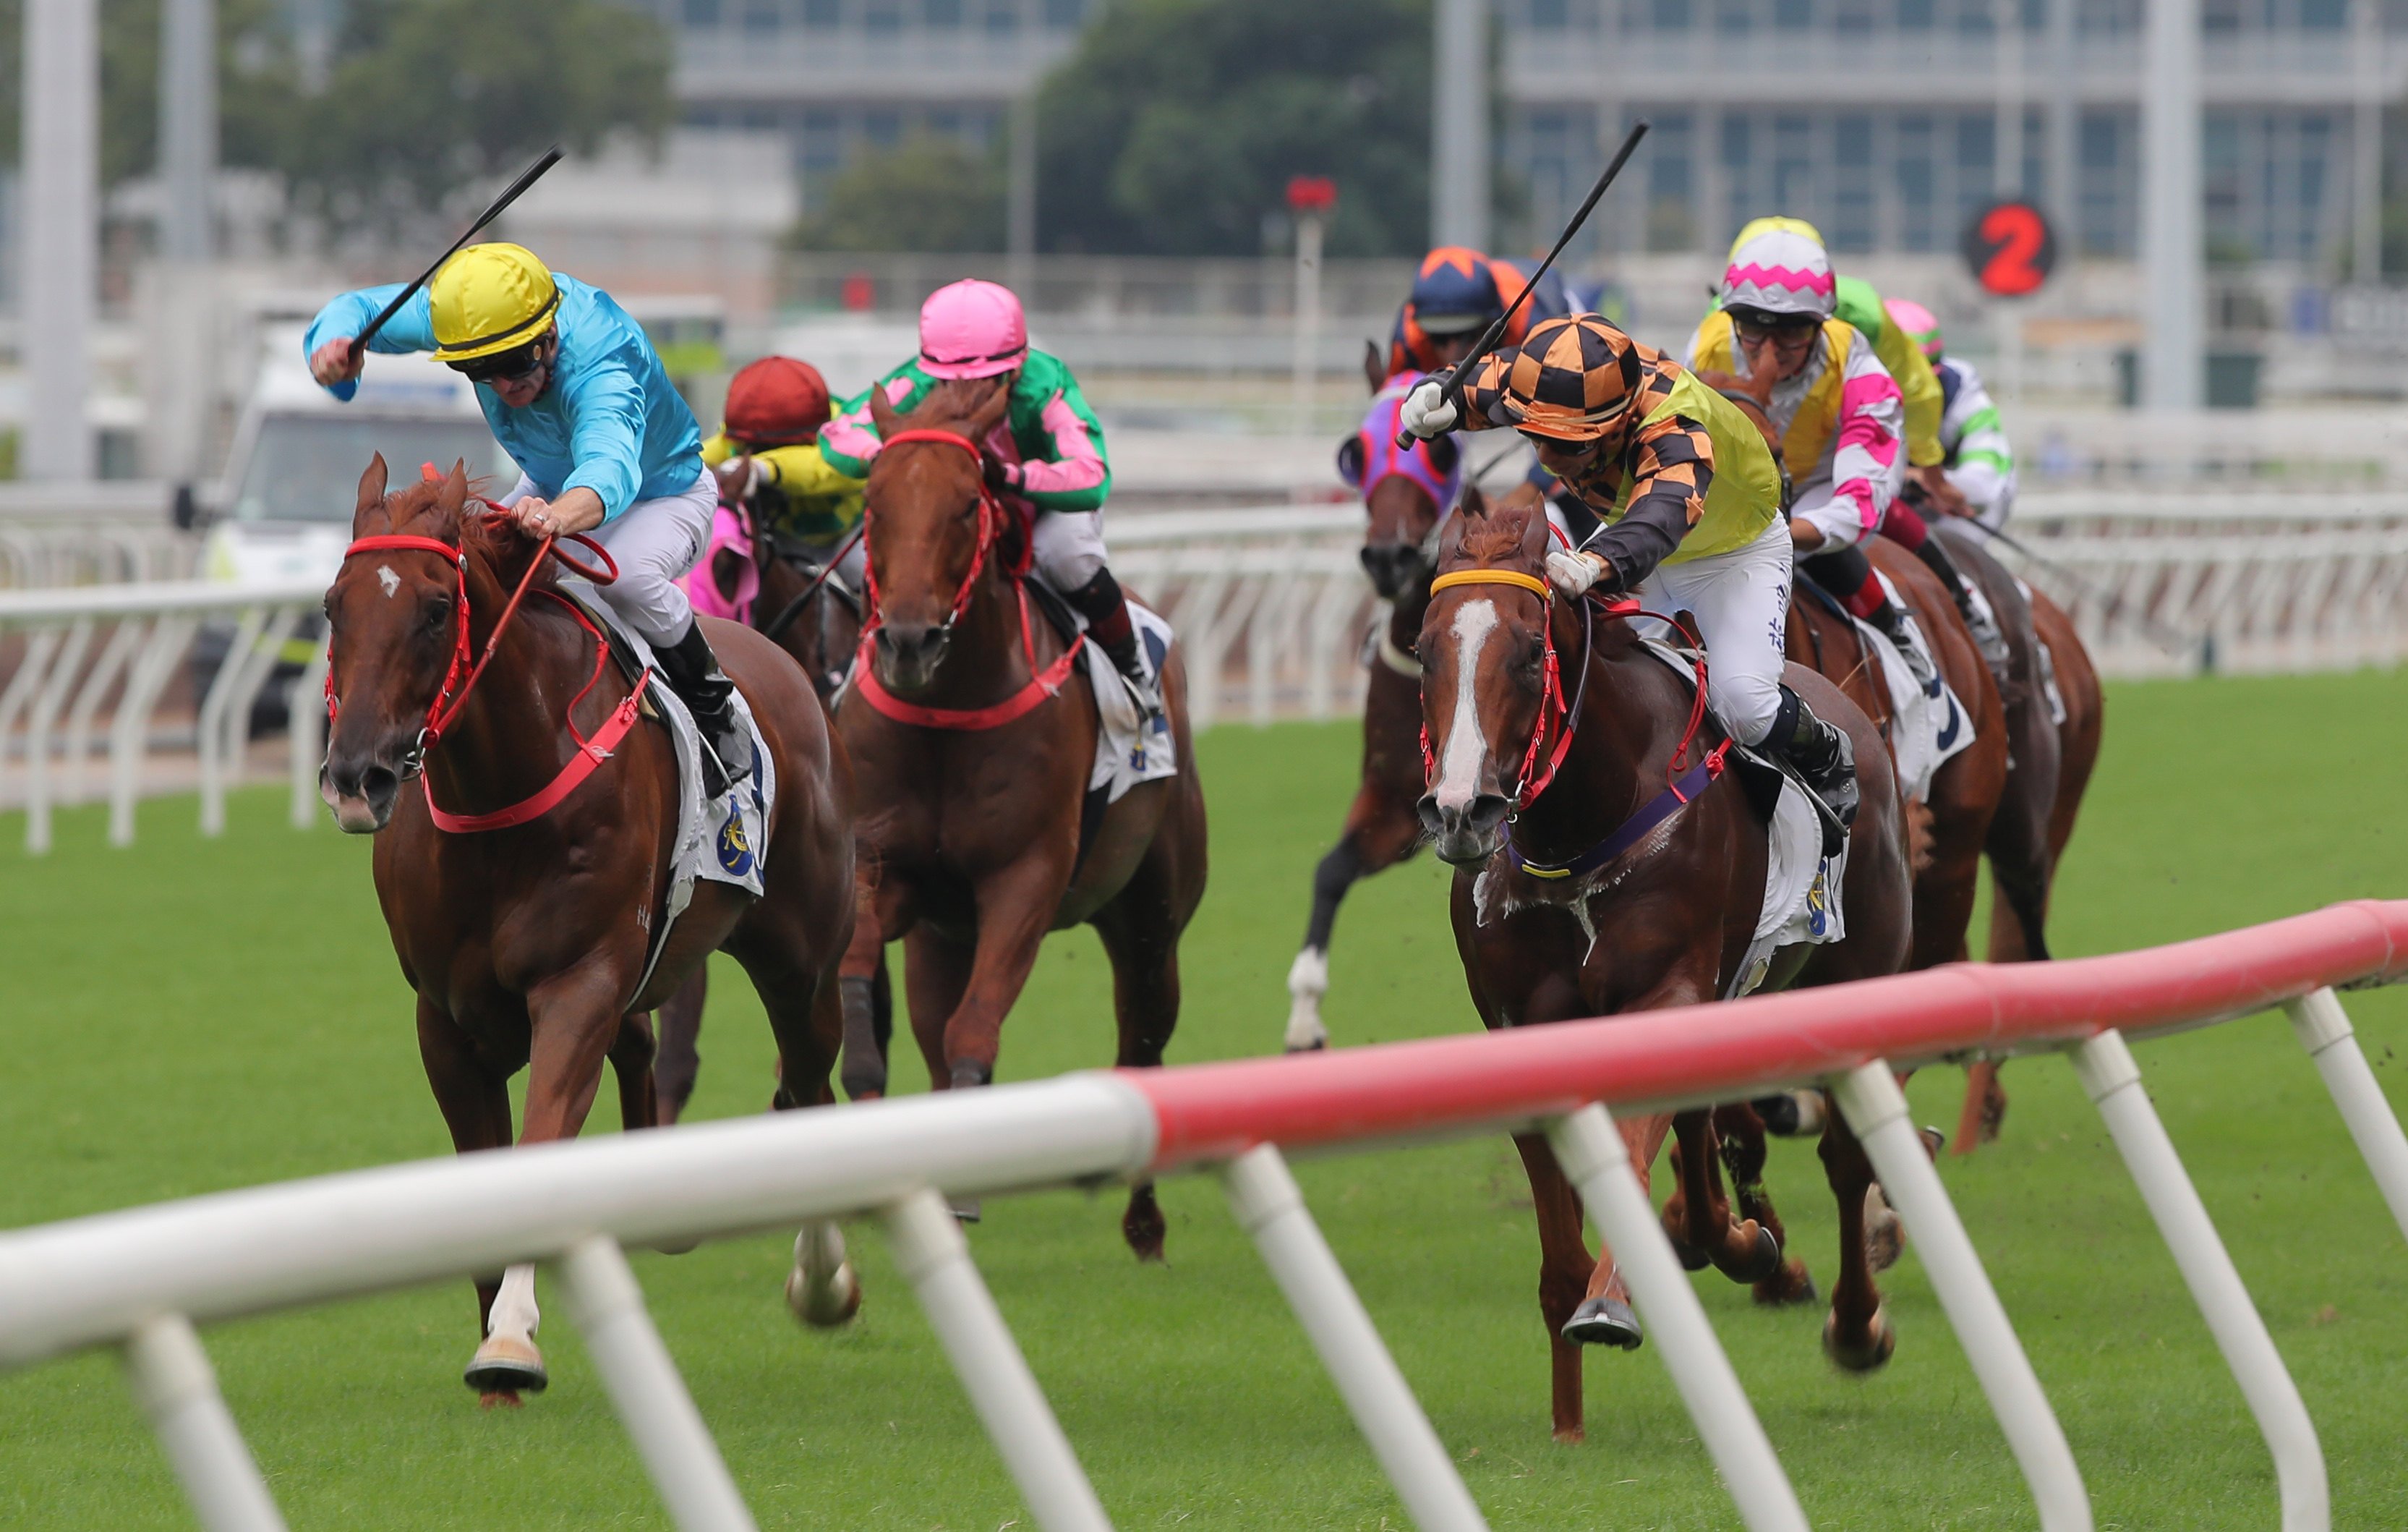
<point>1003,17</point>
<point>1672,186</point>
<point>1065,15</point>
<point>702,13</point>
<point>944,14</point>
<point>823,15</point>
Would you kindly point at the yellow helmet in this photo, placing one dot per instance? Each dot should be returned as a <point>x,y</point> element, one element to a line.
<point>490,299</point>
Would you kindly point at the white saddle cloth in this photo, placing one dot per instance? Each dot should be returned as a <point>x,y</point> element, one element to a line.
<point>1130,748</point>
<point>1929,730</point>
<point>721,840</point>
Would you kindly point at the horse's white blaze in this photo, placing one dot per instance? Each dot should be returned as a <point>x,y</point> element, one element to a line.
<point>390,581</point>
<point>1458,769</point>
<point>514,1312</point>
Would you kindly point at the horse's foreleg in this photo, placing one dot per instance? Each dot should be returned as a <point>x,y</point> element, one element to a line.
<point>1857,1335</point>
<point>1140,935</point>
<point>1380,832</point>
<point>678,1060</point>
<point>1014,907</point>
<point>936,974</point>
<point>1564,1273</point>
<point>474,1103</point>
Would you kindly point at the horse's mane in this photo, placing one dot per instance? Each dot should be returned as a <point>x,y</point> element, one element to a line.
<point>950,406</point>
<point>1492,537</point>
<point>418,508</point>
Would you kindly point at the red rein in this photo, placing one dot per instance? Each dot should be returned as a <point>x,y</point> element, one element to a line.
<point>444,711</point>
<point>1041,684</point>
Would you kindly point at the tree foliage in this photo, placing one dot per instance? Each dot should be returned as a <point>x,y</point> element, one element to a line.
<point>428,97</point>
<point>925,193</point>
<point>1176,125</point>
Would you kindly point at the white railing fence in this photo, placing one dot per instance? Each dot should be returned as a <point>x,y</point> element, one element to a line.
<point>98,1281</point>
<point>1273,611</point>
<point>111,532</point>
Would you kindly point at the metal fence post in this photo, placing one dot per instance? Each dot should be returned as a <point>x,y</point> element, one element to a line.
<point>2112,1080</point>
<point>1875,1108</point>
<point>1594,1156</point>
<point>1270,1208</point>
<point>2323,1029</point>
<point>177,1389</point>
<point>936,1259</point>
<point>608,1308</point>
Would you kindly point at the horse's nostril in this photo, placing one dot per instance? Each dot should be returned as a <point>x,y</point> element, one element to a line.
<point>1433,819</point>
<point>379,785</point>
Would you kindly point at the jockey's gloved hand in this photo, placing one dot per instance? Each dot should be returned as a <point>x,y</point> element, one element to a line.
<point>1428,411</point>
<point>1575,573</point>
<point>1002,476</point>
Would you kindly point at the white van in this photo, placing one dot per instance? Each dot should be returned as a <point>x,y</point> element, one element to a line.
<point>293,477</point>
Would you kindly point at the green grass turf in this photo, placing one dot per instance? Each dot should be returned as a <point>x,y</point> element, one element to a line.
<point>188,1016</point>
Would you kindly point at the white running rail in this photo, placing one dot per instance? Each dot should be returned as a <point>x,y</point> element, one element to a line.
<point>98,1281</point>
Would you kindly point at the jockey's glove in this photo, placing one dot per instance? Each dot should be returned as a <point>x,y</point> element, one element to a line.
<point>1001,476</point>
<point>1575,573</point>
<point>1428,411</point>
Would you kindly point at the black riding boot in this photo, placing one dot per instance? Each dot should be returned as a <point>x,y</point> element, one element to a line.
<point>1101,602</point>
<point>1822,754</point>
<point>692,673</point>
<point>1977,614</point>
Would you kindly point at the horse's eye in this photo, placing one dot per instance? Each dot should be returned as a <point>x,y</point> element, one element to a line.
<point>438,612</point>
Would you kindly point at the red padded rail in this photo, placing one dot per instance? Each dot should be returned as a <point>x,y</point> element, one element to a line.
<point>1699,1054</point>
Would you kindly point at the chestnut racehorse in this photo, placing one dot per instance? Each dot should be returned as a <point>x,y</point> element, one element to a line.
<point>814,615</point>
<point>1665,921</point>
<point>526,939</point>
<point>973,840</point>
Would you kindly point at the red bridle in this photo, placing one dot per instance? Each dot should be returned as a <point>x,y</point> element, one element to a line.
<point>990,530</point>
<point>444,711</point>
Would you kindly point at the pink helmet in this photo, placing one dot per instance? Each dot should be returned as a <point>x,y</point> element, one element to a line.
<point>1920,323</point>
<point>971,329</point>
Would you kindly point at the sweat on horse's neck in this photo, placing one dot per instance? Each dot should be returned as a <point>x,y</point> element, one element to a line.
<point>511,736</point>
<point>1620,736</point>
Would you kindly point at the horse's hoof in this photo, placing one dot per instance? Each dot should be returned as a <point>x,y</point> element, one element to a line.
<point>1789,1285</point>
<point>1885,1231</point>
<point>500,1398</point>
<point>1604,1321</point>
<point>1934,1141</point>
<point>827,1305</point>
<point>1763,1262</point>
<point>964,1208</point>
<point>1868,1355</point>
<point>1691,1257</point>
<point>1143,1225</point>
<point>506,1365</point>
<point>1313,1047</point>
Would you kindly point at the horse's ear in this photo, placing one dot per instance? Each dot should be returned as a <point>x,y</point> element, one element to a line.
<point>881,411</point>
<point>1375,366</point>
<point>1538,532</point>
<point>455,493</point>
<point>1474,504</point>
<point>987,413</point>
<point>1450,532</point>
<point>371,485</point>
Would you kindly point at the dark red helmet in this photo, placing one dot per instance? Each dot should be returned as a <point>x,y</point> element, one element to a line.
<point>777,402</point>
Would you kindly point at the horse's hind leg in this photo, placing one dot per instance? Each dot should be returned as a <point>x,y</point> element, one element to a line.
<point>1140,935</point>
<point>807,1017</point>
<point>631,1060</point>
<point>1741,1135</point>
<point>1857,1335</point>
<point>678,1060</point>
<point>1698,1219</point>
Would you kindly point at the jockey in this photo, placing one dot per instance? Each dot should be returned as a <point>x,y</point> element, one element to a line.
<point>776,409</point>
<point>1048,451</point>
<point>1691,504</point>
<point>1837,408</point>
<point>605,445</point>
<point>1456,295</point>
<point>1980,465</point>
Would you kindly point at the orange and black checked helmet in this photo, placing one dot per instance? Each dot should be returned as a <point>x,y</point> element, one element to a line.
<point>1574,379</point>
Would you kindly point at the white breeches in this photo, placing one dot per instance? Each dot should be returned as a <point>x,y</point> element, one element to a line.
<point>1740,600</point>
<point>1842,522</point>
<point>653,543</point>
<point>1070,547</point>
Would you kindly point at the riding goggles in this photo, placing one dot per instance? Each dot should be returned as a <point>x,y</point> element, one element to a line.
<point>516,365</point>
<point>1781,329</point>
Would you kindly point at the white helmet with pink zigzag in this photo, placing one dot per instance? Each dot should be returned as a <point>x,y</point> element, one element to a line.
<point>1778,265</point>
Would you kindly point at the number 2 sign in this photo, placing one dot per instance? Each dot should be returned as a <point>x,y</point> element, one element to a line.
<point>2010,248</point>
